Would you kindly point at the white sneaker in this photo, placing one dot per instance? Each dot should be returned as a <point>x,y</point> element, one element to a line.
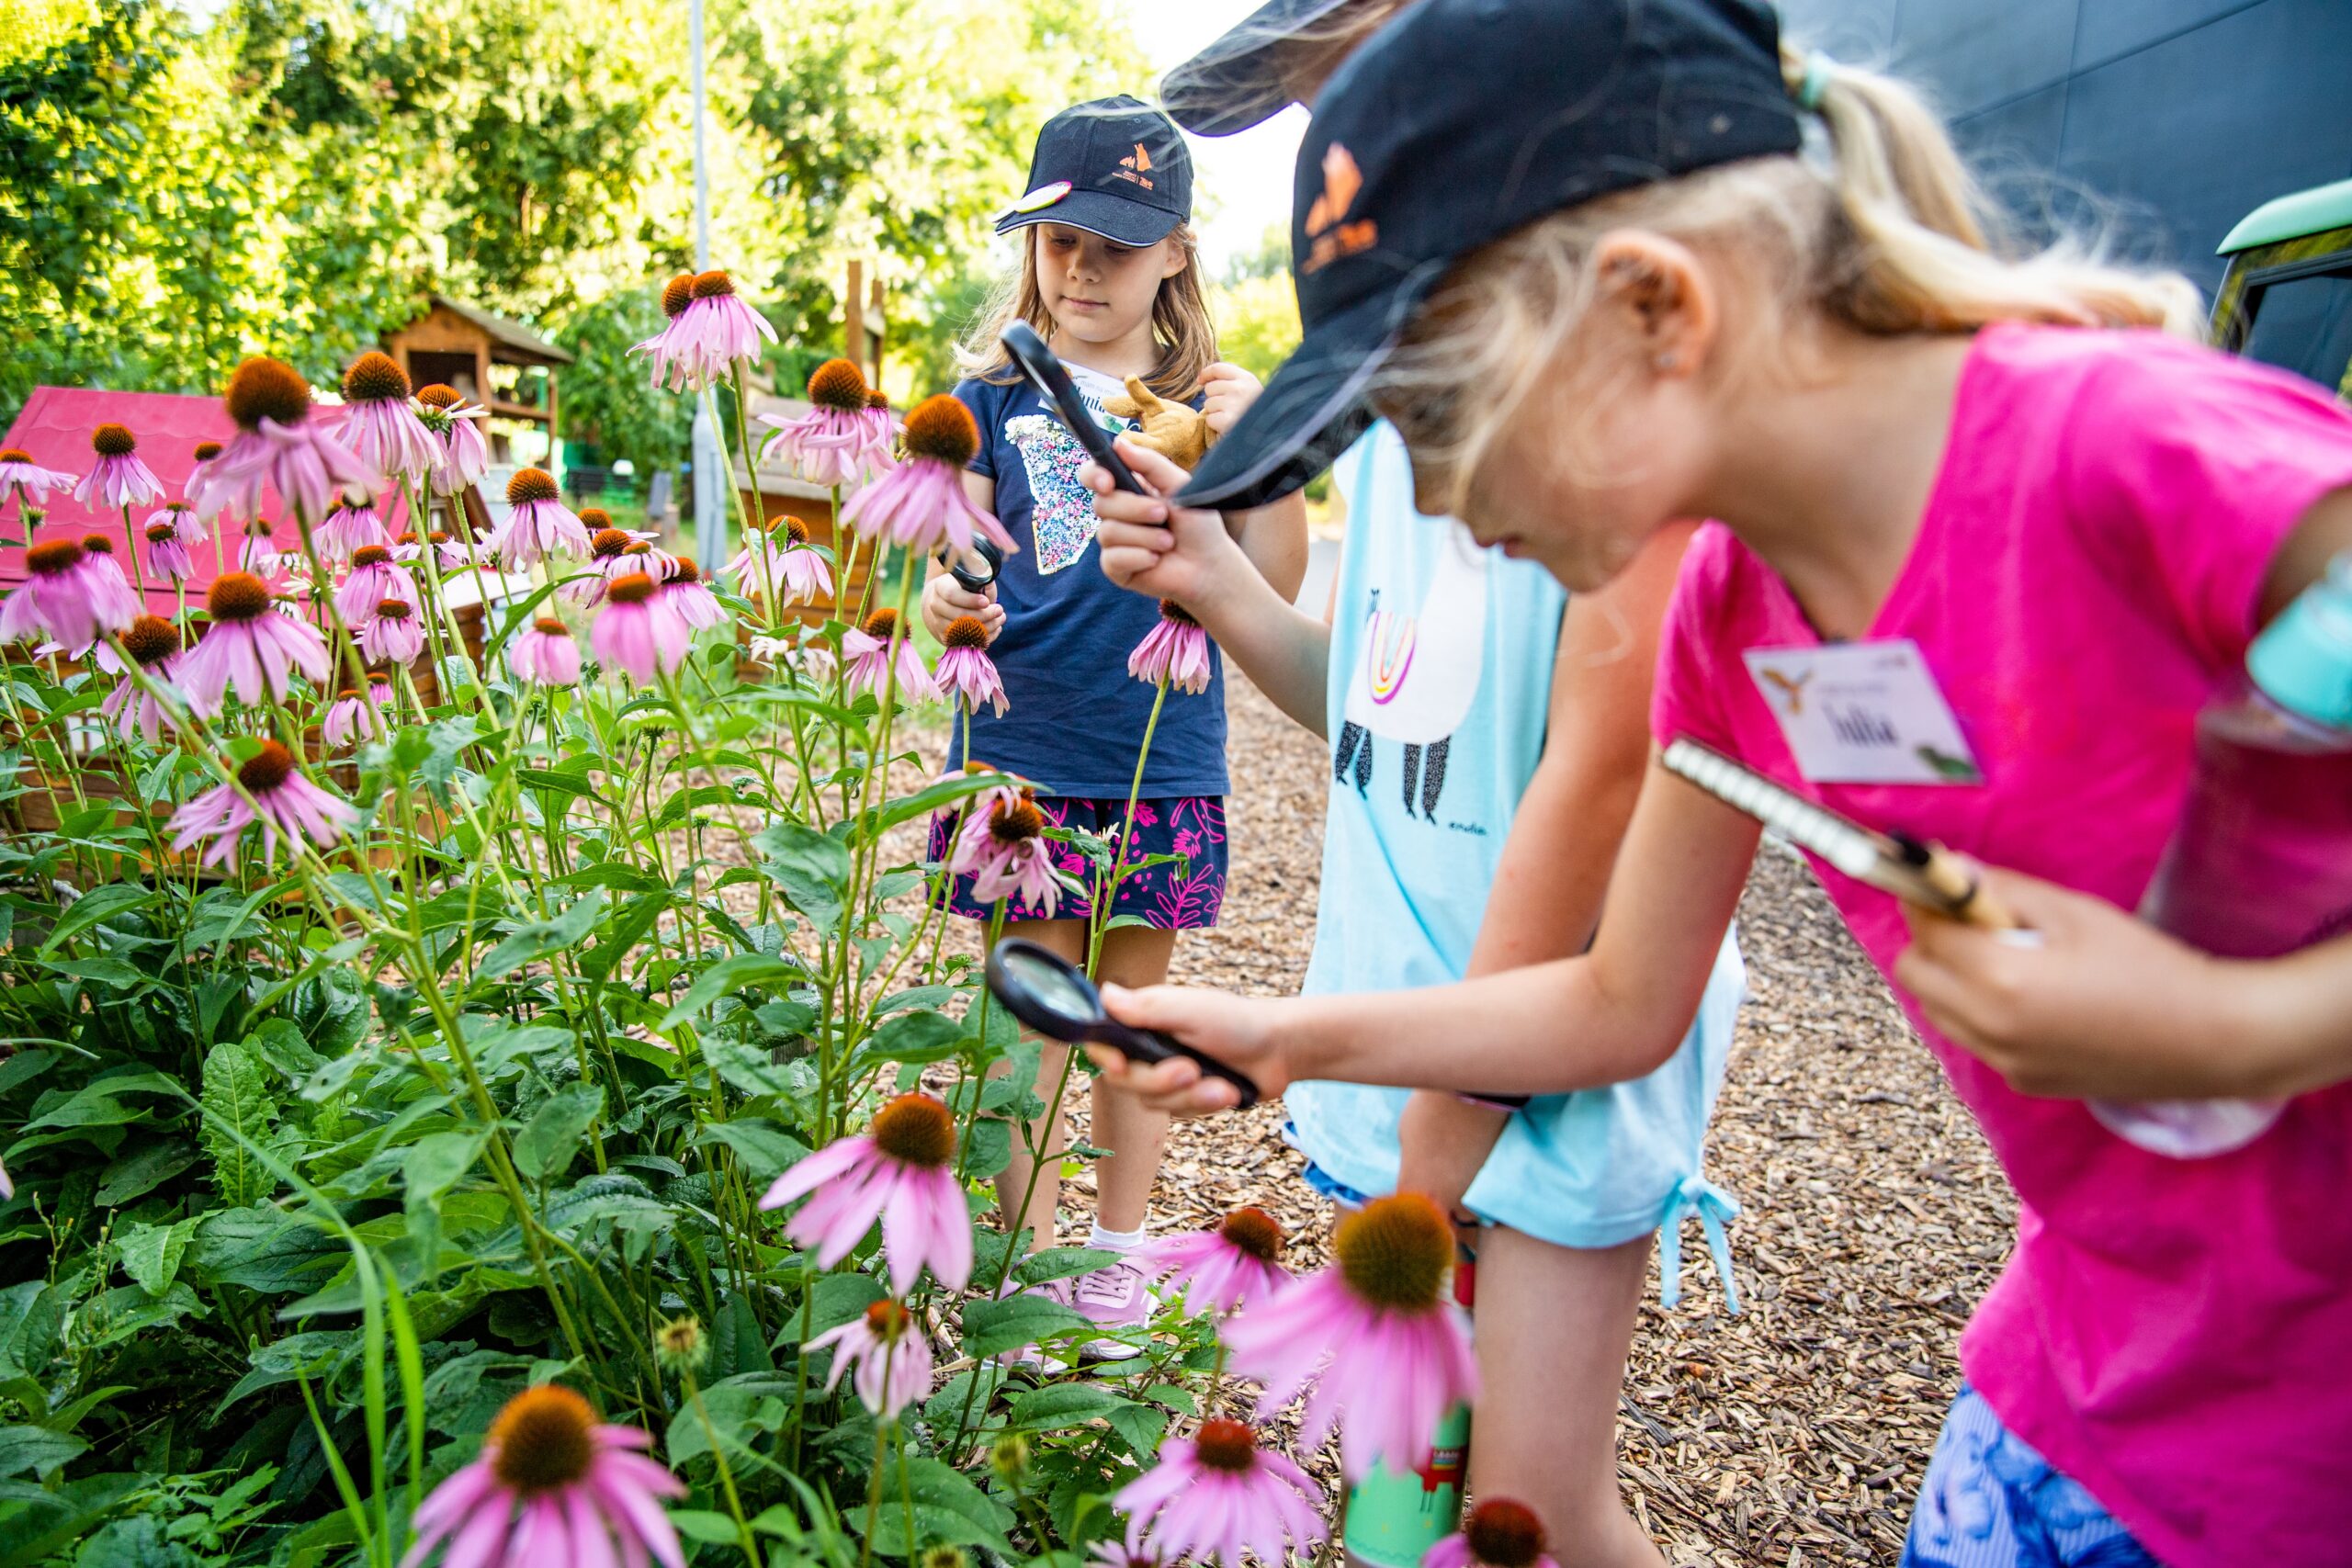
<point>1117,1295</point>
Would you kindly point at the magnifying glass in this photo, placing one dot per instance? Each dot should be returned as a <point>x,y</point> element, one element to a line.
<point>974,577</point>
<point>1054,996</point>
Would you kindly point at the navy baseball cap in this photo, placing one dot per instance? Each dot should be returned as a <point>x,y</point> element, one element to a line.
<point>1116,168</point>
<point>1459,123</point>
<point>1236,81</point>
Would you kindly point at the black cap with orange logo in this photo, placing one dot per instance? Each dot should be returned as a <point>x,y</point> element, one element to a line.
<point>1116,168</point>
<point>1460,122</point>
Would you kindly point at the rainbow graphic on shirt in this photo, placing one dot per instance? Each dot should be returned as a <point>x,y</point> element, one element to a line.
<point>1388,653</point>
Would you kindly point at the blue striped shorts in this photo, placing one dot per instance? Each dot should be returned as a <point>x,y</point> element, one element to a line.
<point>1990,1501</point>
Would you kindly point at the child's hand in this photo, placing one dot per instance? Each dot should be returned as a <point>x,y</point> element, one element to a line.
<point>945,599</point>
<point>1237,1031</point>
<point>2104,1008</point>
<point>1227,390</point>
<point>1152,547</point>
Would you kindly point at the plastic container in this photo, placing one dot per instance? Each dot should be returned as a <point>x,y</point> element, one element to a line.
<point>2261,861</point>
<point>1393,1519</point>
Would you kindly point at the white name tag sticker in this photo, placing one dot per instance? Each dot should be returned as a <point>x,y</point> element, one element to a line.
<point>1864,713</point>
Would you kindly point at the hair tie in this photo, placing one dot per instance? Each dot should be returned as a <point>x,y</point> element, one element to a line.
<point>1817,69</point>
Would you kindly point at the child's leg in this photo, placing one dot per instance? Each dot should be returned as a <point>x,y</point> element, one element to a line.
<point>1554,1324</point>
<point>1067,938</point>
<point>1136,1137</point>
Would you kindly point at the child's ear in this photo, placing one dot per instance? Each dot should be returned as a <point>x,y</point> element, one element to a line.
<point>1175,261</point>
<point>1655,292</point>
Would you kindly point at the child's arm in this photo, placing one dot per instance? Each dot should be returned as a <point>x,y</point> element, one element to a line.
<point>1191,558</point>
<point>943,598</point>
<point>1615,1013</point>
<point>2107,1008</point>
<point>1546,899</point>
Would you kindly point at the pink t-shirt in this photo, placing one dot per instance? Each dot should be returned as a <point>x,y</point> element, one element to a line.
<point>2174,1335</point>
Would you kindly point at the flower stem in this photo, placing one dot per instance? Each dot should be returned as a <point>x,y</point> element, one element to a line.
<point>726,1474</point>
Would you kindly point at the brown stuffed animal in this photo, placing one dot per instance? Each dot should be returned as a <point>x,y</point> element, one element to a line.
<point>1179,433</point>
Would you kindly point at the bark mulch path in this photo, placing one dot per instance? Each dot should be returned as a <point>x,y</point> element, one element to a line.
<point>1873,1215</point>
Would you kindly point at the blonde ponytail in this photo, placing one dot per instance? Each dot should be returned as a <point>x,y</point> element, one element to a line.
<point>1888,235</point>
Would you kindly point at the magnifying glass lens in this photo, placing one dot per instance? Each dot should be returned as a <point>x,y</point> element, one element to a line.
<point>1051,987</point>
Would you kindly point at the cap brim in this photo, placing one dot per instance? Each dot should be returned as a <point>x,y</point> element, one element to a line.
<point>1099,212</point>
<point>1311,411</point>
<point>1234,83</point>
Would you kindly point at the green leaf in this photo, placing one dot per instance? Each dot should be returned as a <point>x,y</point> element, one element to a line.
<point>702,1525</point>
<point>763,1146</point>
<point>992,1149</point>
<point>98,904</point>
<point>147,1164</point>
<point>1064,1404</point>
<point>728,975</point>
<point>809,868</point>
<point>152,1253</point>
<point>914,1038</point>
<point>99,1102</point>
<point>949,1510</point>
<point>238,1116</point>
<point>1142,1427</point>
<point>1063,1263</point>
<point>535,940</point>
<point>838,1297</point>
<point>434,1163</point>
<point>992,1327</point>
<point>545,1147</point>
<point>748,1068</point>
<point>36,1449</point>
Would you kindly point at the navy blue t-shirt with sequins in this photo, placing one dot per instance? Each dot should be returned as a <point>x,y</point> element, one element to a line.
<point>1075,718</point>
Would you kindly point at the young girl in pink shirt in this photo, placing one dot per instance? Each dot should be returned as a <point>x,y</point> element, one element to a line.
<point>1600,289</point>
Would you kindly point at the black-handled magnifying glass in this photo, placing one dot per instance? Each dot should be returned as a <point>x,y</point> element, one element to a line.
<point>975,568</point>
<point>1045,370</point>
<point>1054,996</point>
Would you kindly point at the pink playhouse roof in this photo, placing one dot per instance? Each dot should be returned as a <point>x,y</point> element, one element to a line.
<point>54,429</point>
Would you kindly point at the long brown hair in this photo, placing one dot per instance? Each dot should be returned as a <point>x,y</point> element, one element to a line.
<point>1179,323</point>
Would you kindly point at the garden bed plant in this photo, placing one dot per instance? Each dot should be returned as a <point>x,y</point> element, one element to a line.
<point>529,1115</point>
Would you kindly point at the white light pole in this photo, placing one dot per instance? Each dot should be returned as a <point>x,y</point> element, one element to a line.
<point>712,470</point>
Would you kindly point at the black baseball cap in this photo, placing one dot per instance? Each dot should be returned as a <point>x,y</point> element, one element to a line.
<point>1236,81</point>
<point>1460,122</point>
<point>1116,168</point>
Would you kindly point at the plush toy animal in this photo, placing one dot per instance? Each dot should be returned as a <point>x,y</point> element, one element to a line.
<point>1177,433</point>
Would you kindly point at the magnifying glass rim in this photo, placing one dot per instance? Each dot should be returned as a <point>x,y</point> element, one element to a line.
<point>1024,1003</point>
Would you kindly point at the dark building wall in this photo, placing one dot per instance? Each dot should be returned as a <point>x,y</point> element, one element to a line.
<point>2177,118</point>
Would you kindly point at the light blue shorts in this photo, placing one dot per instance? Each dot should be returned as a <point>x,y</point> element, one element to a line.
<point>1596,1169</point>
<point>1990,1501</point>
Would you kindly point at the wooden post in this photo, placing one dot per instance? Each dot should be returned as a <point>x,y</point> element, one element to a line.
<point>853,317</point>
<point>873,309</point>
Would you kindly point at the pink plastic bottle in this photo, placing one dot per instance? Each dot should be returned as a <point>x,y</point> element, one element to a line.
<point>2261,861</point>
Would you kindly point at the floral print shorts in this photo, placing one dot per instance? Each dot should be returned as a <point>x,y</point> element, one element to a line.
<point>1179,894</point>
<point>1990,1501</point>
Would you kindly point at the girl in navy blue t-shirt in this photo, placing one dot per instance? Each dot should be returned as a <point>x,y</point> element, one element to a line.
<point>1108,276</point>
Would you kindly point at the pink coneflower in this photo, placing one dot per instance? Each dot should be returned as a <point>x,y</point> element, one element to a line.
<point>1009,856</point>
<point>1219,1496</point>
<point>868,649</point>
<point>154,643</point>
<point>448,555</point>
<point>1387,1354</point>
<point>900,1171</point>
<point>882,428</point>
<point>688,599</point>
<point>249,647</point>
<point>716,329</point>
<point>1500,1534</point>
<point>1222,1269</point>
<point>606,560</point>
<point>181,519</point>
<point>98,548</point>
<point>464,457</point>
<point>119,479</point>
<point>1176,651</point>
<point>891,1353</point>
<point>633,635</point>
<point>293,809</point>
<point>278,445</point>
<point>796,571</point>
<point>811,660</point>
<point>834,443</point>
<point>23,480</point>
<point>382,428</point>
<point>645,556</point>
<point>967,674</point>
<point>666,348</point>
<point>374,579</point>
<point>543,654</point>
<point>7,1188</point>
<point>67,597</point>
<point>259,554</point>
<point>392,634</point>
<point>537,523</point>
<point>355,715</point>
<point>585,1495</point>
<point>349,528</point>
<point>922,503</point>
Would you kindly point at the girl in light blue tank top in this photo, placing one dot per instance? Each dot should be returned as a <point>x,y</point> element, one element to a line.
<point>1435,682</point>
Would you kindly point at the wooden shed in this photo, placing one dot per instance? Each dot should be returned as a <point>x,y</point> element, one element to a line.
<point>502,364</point>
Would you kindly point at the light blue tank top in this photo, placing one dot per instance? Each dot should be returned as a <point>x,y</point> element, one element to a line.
<point>1439,685</point>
